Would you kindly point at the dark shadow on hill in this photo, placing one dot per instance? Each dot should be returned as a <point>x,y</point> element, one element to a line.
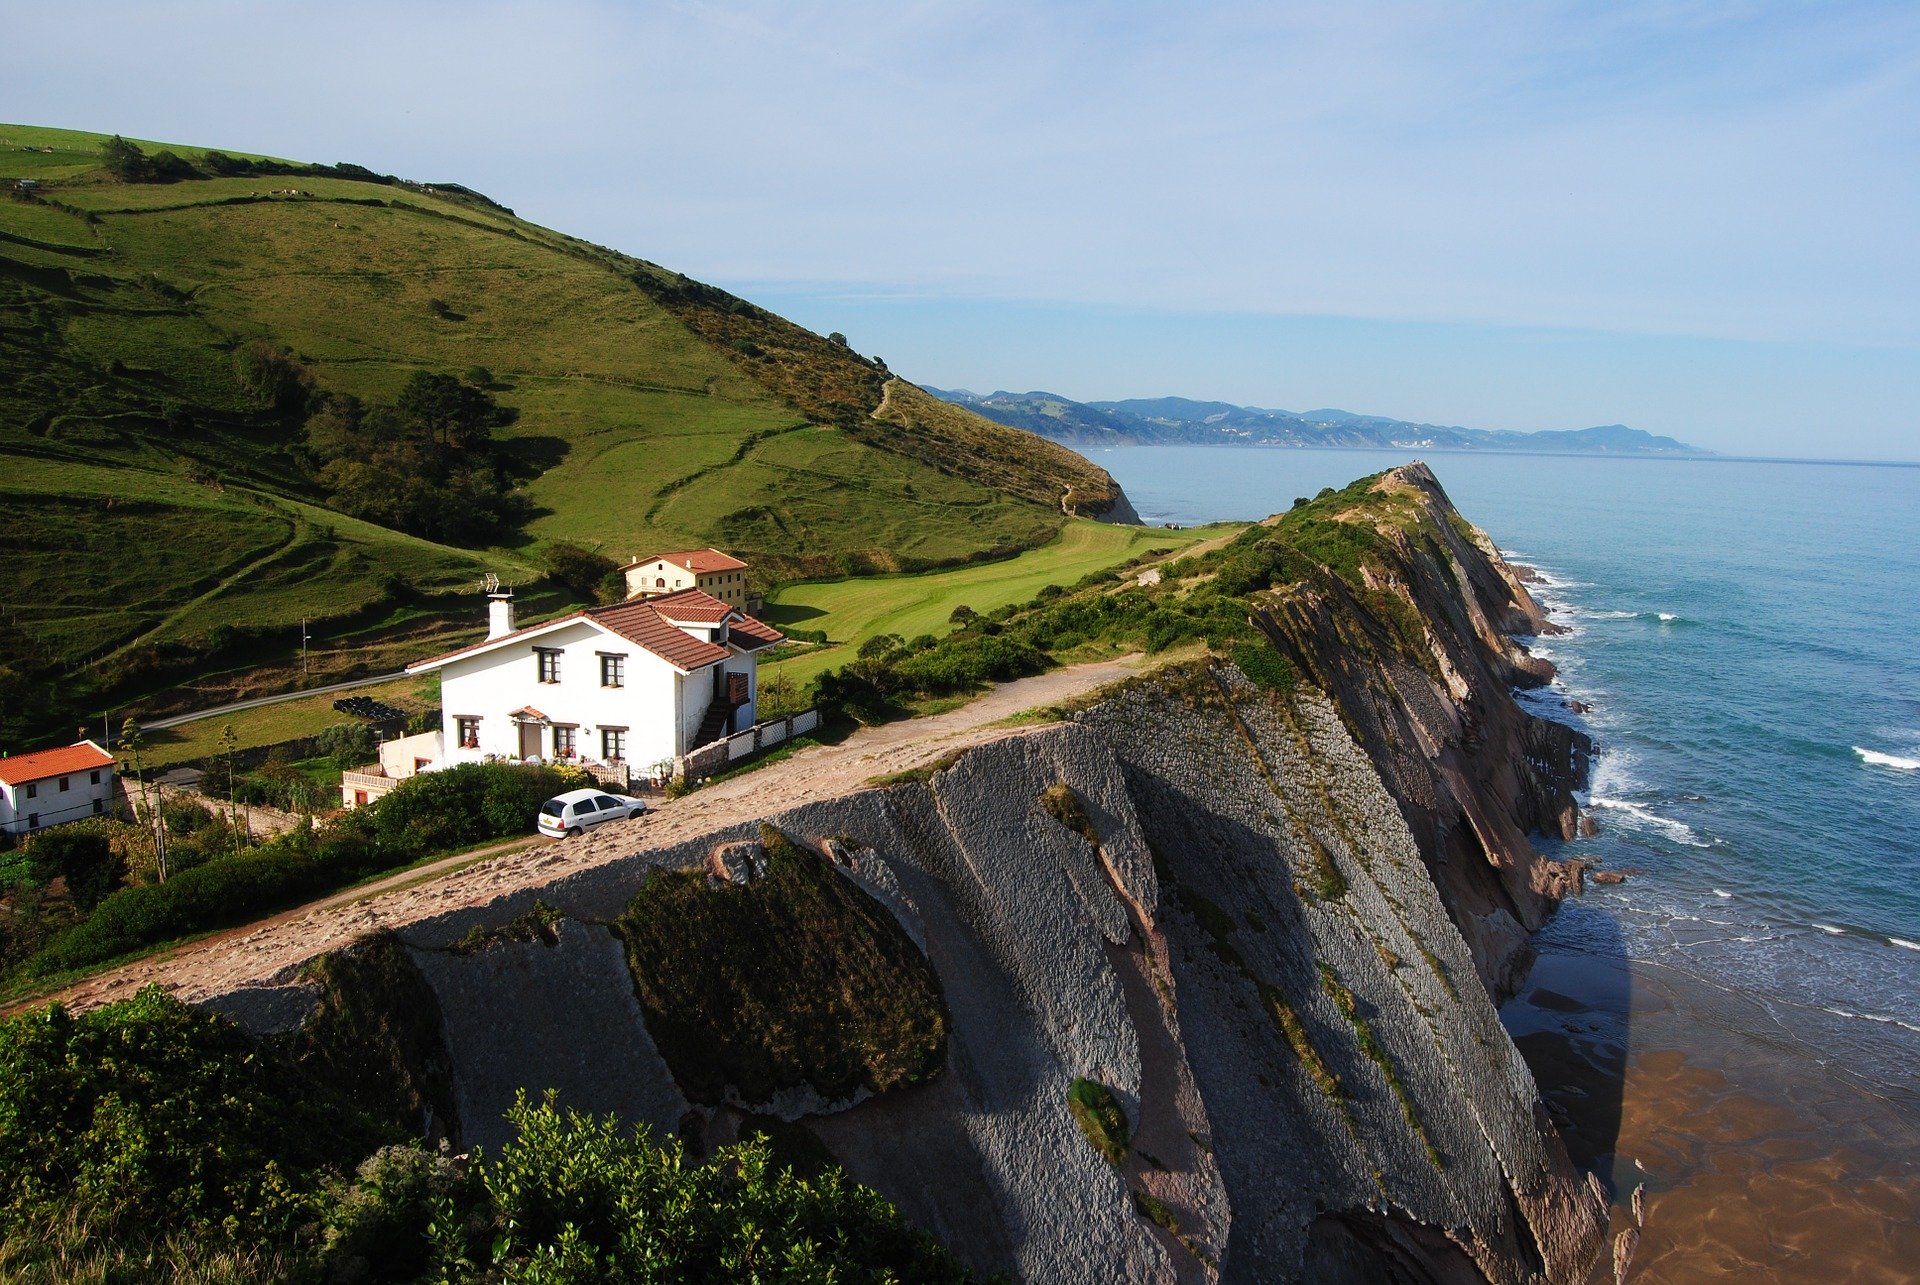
<point>789,613</point>
<point>534,453</point>
<point>1572,1022</point>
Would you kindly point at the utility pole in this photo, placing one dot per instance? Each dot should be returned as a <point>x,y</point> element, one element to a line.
<point>303,644</point>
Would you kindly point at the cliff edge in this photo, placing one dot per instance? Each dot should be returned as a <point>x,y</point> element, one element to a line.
<point>1421,657</point>
<point>1193,984</point>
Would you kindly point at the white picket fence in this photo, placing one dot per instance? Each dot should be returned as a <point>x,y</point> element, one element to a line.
<point>711,758</point>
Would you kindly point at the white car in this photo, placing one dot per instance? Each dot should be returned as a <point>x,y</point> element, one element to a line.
<point>579,810</point>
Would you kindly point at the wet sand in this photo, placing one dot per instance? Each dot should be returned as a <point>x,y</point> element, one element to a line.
<point>1760,1161</point>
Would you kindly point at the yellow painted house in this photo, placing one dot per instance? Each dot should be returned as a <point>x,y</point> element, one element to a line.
<point>708,570</point>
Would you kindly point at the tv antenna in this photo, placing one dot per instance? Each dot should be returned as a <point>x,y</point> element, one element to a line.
<point>490,583</point>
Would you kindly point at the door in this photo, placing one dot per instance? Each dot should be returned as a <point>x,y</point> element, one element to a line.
<point>529,740</point>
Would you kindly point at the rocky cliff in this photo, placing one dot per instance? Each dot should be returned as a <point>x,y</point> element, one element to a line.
<point>1421,660</point>
<point>1221,912</point>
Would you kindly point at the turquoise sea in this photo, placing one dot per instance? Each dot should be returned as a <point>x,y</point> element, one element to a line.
<point>1747,634</point>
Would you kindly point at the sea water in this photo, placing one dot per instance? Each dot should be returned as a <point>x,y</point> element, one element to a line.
<point>1746,633</point>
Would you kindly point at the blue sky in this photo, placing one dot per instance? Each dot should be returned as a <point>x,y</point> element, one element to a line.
<point>1694,218</point>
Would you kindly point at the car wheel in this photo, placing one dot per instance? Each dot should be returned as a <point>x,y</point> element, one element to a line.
<point>573,832</point>
<point>636,814</point>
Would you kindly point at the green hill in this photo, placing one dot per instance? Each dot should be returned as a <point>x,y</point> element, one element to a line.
<point>172,319</point>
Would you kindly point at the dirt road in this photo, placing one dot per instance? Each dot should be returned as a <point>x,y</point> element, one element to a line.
<point>271,948</point>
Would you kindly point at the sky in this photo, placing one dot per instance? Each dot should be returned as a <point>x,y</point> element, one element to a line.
<point>1695,218</point>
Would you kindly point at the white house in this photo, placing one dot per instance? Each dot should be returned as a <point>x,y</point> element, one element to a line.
<point>45,788</point>
<point>638,682</point>
<point>399,759</point>
<point>708,570</point>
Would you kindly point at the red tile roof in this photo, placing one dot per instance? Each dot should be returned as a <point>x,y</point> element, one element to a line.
<point>698,561</point>
<point>38,766</point>
<point>762,633</point>
<point>694,606</point>
<point>647,623</point>
<point>640,624</point>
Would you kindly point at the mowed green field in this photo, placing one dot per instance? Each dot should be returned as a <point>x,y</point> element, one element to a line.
<point>646,435</point>
<point>150,499</point>
<point>101,560</point>
<point>852,611</point>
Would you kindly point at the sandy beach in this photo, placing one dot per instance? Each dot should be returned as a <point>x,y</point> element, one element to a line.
<point>1760,1161</point>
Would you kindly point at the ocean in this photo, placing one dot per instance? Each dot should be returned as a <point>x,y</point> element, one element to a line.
<point>1746,635</point>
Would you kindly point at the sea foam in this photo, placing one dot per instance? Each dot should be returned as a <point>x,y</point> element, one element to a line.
<point>1893,761</point>
<point>1678,831</point>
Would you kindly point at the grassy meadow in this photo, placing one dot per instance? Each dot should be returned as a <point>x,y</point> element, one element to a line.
<point>851,611</point>
<point>158,515</point>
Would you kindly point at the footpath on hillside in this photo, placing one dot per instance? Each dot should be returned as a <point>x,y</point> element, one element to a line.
<point>267,949</point>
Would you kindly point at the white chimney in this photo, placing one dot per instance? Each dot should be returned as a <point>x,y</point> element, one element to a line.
<point>499,615</point>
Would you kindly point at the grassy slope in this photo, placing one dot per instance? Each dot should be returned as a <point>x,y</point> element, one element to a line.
<point>852,611</point>
<point>660,412</point>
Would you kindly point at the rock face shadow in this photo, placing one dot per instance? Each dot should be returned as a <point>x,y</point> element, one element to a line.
<point>1572,1021</point>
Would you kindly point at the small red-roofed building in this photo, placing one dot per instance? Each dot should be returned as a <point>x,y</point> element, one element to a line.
<point>51,786</point>
<point>719,575</point>
<point>637,683</point>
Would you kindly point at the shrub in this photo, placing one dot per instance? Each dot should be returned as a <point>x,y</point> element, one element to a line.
<point>145,1116</point>
<point>797,978</point>
<point>431,812</point>
<point>1099,1116</point>
<point>1266,667</point>
<point>83,856</point>
<point>349,745</point>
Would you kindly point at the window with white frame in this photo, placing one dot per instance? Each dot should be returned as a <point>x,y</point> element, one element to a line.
<point>613,670</point>
<point>563,742</point>
<point>548,660</point>
<point>613,744</point>
<point>467,729</point>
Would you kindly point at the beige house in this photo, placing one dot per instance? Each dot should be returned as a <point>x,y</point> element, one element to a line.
<point>399,759</point>
<point>712,572</point>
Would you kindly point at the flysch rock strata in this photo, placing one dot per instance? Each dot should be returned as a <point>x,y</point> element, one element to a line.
<point>1277,956</point>
<point>1060,959</point>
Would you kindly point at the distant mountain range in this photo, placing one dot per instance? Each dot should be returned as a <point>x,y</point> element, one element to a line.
<point>1163,421</point>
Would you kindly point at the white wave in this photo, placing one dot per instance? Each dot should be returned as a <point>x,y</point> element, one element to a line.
<point>1666,617</point>
<point>1596,613</point>
<point>1678,831</point>
<point>1721,892</point>
<point>1829,928</point>
<point>1895,761</point>
<point>1871,1017</point>
<point>1904,944</point>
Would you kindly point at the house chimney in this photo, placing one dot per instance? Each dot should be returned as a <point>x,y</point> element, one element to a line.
<point>499,615</point>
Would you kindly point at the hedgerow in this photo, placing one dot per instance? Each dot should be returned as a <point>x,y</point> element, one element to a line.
<point>429,813</point>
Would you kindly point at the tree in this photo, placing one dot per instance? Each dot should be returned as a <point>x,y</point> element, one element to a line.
<point>480,377</point>
<point>83,857</point>
<point>229,744</point>
<point>962,616</point>
<point>131,743</point>
<point>577,568</point>
<point>125,161</point>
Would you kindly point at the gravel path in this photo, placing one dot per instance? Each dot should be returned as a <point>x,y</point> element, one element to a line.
<point>272,947</point>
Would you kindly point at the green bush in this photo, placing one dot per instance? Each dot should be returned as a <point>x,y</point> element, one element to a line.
<point>797,978</point>
<point>1260,662</point>
<point>146,1141</point>
<point>146,1117</point>
<point>428,813</point>
<point>1099,1116</point>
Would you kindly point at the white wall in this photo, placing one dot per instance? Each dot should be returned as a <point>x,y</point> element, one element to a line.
<point>494,683</point>
<point>397,756</point>
<point>52,805</point>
